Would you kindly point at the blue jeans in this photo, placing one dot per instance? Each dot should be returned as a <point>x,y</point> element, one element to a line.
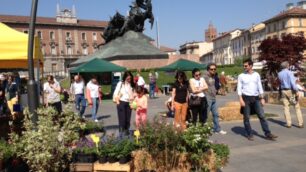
<point>80,103</point>
<point>253,102</point>
<point>95,106</point>
<point>152,90</point>
<point>212,106</point>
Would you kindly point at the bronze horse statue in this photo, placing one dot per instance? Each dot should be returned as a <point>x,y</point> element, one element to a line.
<point>118,24</point>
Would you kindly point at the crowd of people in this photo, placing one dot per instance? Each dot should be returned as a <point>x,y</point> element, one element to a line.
<point>191,101</point>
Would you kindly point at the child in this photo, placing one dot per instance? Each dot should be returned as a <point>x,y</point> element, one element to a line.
<point>141,107</point>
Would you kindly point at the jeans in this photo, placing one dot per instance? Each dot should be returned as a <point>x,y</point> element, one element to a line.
<point>152,90</point>
<point>212,106</point>
<point>95,106</point>
<point>200,111</point>
<point>124,116</point>
<point>80,103</point>
<point>254,103</point>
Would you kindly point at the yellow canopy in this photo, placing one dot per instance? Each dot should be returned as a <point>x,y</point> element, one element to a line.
<point>14,48</point>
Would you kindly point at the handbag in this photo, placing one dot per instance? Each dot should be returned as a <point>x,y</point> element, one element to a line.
<point>195,100</point>
<point>117,96</point>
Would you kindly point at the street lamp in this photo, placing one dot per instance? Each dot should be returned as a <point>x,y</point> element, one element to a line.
<point>32,85</point>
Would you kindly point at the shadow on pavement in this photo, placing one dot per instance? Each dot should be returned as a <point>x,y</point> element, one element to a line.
<point>241,131</point>
<point>111,127</point>
<point>103,117</point>
<point>281,123</point>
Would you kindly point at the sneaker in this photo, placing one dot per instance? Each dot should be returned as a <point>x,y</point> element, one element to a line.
<point>96,120</point>
<point>288,126</point>
<point>271,137</point>
<point>221,132</point>
<point>301,126</point>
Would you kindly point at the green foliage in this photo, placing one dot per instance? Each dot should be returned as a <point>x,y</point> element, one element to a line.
<point>92,127</point>
<point>6,150</point>
<point>222,153</point>
<point>44,146</point>
<point>125,146</point>
<point>195,139</point>
<point>86,150</point>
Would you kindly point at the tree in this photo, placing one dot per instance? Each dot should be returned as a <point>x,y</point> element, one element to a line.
<point>275,51</point>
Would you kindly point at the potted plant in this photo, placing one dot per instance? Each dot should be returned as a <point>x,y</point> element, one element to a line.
<point>46,145</point>
<point>127,146</point>
<point>113,153</point>
<point>103,153</point>
<point>85,155</point>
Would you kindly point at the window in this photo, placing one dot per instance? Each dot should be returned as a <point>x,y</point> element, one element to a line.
<point>54,67</point>
<point>300,22</point>
<point>53,51</point>
<point>39,34</point>
<point>69,50</point>
<point>52,36</point>
<point>83,36</point>
<point>94,36</point>
<point>85,51</point>
<point>283,24</point>
<point>68,35</point>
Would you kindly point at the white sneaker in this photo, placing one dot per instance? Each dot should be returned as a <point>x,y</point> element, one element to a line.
<point>221,132</point>
<point>96,120</point>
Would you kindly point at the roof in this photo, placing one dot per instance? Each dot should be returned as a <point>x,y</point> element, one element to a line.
<point>293,12</point>
<point>225,34</point>
<point>166,49</point>
<point>51,21</point>
<point>132,45</point>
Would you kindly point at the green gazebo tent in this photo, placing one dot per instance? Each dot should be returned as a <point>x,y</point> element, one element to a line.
<point>182,64</point>
<point>96,66</point>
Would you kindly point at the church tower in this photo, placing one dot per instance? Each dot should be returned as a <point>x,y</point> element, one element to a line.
<point>210,33</point>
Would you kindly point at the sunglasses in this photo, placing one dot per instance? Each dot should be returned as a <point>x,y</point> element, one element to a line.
<point>246,66</point>
<point>213,69</point>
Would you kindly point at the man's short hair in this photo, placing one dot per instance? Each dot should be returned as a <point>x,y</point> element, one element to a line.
<point>284,65</point>
<point>249,61</point>
<point>209,65</point>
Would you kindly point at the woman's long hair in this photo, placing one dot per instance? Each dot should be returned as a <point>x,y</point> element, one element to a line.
<point>125,75</point>
<point>181,74</point>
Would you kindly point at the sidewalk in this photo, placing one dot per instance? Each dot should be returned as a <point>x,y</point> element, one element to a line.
<point>287,154</point>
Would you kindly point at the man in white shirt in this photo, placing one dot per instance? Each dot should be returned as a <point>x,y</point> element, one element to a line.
<point>77,88</point>
<point>93,89</point>
<point>251,98</point>
<point>52,90</point>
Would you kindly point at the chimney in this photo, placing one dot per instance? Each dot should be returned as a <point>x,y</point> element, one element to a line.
<point>289,6</point>
<point>302,4</point>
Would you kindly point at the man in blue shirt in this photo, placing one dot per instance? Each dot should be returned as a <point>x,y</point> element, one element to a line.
<point>288,88</point>
<point>250,94</point>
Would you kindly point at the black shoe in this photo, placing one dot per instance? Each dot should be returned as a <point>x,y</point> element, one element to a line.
<point>250,138</point>
<point>271,137</point>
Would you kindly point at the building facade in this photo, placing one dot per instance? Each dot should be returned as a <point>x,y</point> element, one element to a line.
<point>63,38</point>
<point>292,20</point>
<point>222,47</point>
<point>258,34</point>
<point>196,48</point>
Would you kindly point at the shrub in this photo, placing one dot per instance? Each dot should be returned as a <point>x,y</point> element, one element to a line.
<point>45,147</point>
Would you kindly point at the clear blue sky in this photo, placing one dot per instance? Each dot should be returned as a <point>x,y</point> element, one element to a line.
<point>180,21</point>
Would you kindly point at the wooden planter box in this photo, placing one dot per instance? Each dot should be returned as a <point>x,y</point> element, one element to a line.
<point>97,167</point>
<point>81,167</point>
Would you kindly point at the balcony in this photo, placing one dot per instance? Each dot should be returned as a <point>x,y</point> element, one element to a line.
<point>69,41</point>
<point>84,44</point>
<point>52,43</point>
